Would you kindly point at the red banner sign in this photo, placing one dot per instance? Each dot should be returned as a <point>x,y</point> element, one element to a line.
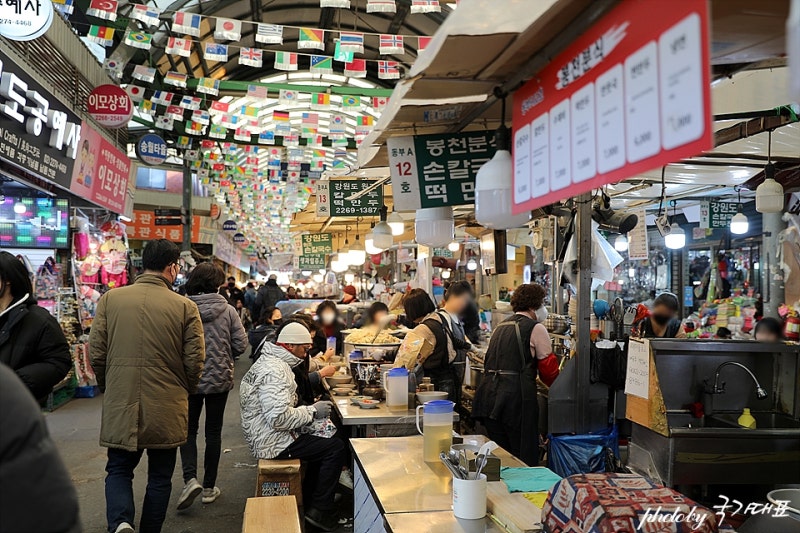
<point>101,171</point>
<point>110,106</point>
<point>143,227</point>
<point>630,94</point>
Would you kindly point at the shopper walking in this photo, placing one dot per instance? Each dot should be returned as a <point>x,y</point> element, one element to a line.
<point>268,296</point>
<point>250,298</point>
<point>147,349</point>
<point>505,401</point>
<point>225,339</point>
<point>276,427</point>
<point>231,292</point>
<point>31,340</point>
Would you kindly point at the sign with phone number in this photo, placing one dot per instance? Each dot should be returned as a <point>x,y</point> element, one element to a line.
<point>333,199</point>
<point>101,171</point>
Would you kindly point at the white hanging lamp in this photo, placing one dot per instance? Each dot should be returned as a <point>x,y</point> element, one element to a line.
<point>621,243</point>
<point>397,223</point>
<point>770,194</point>
<point>382,233</point>
<point>434,226</point>
<point>676,238</point>
<point>739,223</point>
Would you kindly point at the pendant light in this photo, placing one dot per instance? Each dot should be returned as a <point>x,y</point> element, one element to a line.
<point>369,242</point>
<point>453,246</point>
<point>397,223</point>
<point>621,243</point>
<point>739,223</point>
<point>357,254</point>
<point>494,185</point>
<point>769,195</point>
<point>676,238</point>
<point>446,274</point>
<point>434,226</point>
<point>382,233</point>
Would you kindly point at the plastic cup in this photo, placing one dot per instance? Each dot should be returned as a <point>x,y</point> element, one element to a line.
<point>469,498</point>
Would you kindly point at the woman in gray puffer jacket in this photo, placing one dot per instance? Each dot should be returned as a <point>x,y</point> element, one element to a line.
<point>225,339</point>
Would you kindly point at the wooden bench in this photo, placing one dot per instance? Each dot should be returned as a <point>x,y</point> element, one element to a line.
<point>280,477</point>
<point>275,514</point>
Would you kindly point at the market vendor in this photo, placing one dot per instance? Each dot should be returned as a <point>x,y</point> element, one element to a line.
<point>768,329</point>
<point>505,401</point>
<point>331,325</point>
<point>663,322</point>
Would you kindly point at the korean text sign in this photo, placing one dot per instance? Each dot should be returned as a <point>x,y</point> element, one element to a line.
<point>333,198</point>
<point>310,262</point>
<point>717,214</point>
<point>630,94</point>
<point>437,170</point>
<point>316,243</point>
<point>143,226</point>
<point>101,171</point>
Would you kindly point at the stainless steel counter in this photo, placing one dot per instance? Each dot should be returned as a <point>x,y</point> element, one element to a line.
<point>440,522</point>
<point>353,415</point>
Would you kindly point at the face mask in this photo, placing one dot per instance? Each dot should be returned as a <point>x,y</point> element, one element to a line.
<point>328,318</point>
<point>541,314</point>
<point>661,320</point>
<point>277,321</point>
<point>231,285</point>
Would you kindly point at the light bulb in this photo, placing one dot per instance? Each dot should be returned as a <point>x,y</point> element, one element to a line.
<point>453,246</point>
<point>631,272</point>
<point>472,264</point>
<point>739,224</point>
<point>382,235</point>
<point>445,274</point>
<point>349,277</point>
<point>396,222</point>
<point>621,243</point>
<point>305,272</point>
<point>357,256</point>
<point>493,194</point>
<point>322,271</point>
<point>434,226</point>
<point>317,278</point>
<point>369,244</point>
<point>19,208</point>
<point>339,266</point>
<point>676,238</point>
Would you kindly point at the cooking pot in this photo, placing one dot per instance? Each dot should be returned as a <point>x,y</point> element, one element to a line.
<point>475,376</point>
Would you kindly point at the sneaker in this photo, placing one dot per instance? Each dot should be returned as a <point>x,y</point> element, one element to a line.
<point>190,491</point>
<point>210,495</point>
<point>319,519</point>
<point>346,479</point>
<point>124,528</point>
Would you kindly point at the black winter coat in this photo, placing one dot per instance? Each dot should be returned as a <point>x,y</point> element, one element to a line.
<point>33,345</point>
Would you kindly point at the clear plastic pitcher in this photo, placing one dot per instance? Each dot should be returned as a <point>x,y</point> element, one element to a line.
<point>395,383</point>
<point>437,435</point>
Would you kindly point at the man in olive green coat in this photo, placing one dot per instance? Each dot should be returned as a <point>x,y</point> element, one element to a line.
<point>147,350</point>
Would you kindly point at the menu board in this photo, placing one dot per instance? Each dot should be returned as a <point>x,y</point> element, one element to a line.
<point>717,214</point>
<point>630,94</point>
<point>637,375</point>
<point>334,198</point>
<point>637,237</point>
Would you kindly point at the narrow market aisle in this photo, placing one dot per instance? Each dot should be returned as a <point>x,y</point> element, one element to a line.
<point>75,428</point>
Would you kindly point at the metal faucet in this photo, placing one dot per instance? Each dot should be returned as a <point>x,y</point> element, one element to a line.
<point>709,392</point>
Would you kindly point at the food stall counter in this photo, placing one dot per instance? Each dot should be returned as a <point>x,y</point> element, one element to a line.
<point>379,421</point>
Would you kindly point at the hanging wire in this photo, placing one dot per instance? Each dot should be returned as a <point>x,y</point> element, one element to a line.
<point>663,189</point>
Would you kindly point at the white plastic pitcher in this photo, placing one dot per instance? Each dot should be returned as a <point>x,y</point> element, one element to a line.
<point>395,383</point>
<point>437,435</point>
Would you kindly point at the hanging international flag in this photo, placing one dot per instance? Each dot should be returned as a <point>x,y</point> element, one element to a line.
<point>195,128</point>
<point>351,42</point>
<point>340,55</point>
<point>241,134</point>
<point>285,61</point>
<point>310,124</point>
<point>391,44</point>
<point>321,65</point>
<point>178,46</point>
<point>340,142</point>
<point>228,29</point>
<point>190,102</point>
<point>175,112</point>
<point>147,14</point>
<point>337,126</point>
<point>208,86</point>
<point>186,23</point>
<point>379,102</point>
<point>283,128</point>
<point>266,137</point>
<point>230,121</point>
<point>143,73</point>
<point>101,35</point>
<point>216,52</point>
<point>138,39</point>
<point>314,140</point>
<point>425,6</point>
<point>320,101</point>
<point>183,142</point>
<point>252,57</point>
<point>102,9</point>
<point>311,39</point>
<point>206,145</point>
<point>269,34</point>
<point>135,93</point>
<point>339,164</point>
<point>65,7</point>
<point>357,68</point>
<point>113,67</point>
<point>218,106</point>
<point>164,123</point>
<point>146,107</point>
<point>257,91</point>
<point>422,43</point>
<point>365,120</point>
<point>280,116</point>
<point>287,96</point>
<point>175,78</point>
<point>201,116</point>
<point>162,98</point>
<point>248,111</point>
<point>351,102</point>
<point>344,4</point>
<point>191,155</point>
<point>388,70</point>
<point>218,131</point>
<point>381,6</point>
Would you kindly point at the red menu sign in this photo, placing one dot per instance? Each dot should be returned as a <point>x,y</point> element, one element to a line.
<point>630,94</point>
<point>101,171</point>
<point>143,227</point>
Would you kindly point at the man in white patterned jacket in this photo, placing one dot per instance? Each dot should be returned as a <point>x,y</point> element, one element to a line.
<point>277,428</point>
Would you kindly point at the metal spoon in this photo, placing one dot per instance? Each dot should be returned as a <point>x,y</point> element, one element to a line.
<point>453,468</point>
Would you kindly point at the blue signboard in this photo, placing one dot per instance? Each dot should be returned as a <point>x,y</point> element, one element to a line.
<point>151,149</point>
<point>229,225</point>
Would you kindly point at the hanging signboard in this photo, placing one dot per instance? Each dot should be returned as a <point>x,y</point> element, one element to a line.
<point>314,243</point>
<point>717,214</point>
<point>630,94</point>
<point>24,20</point>
<point>637,238</point>
<point>334,198</point>
<point>437,170</point>
<point>443,252</point>
<point>309,262</point>
<point>37,132</point>
<point>151,149</point>
<point>143,227</point>
<point>101,171</point>
<point>110,106</point>
<point>229,225</point>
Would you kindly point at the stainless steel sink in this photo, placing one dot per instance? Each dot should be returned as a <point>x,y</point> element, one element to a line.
<point>763,420</point>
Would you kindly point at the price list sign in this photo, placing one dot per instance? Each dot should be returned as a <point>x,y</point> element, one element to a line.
<point>630,94</point>
<point>335,198</point>
<point>437,170</point>
<point>717,214</point>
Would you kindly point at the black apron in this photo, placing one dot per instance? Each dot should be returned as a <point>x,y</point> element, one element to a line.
<point>446,376</point>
